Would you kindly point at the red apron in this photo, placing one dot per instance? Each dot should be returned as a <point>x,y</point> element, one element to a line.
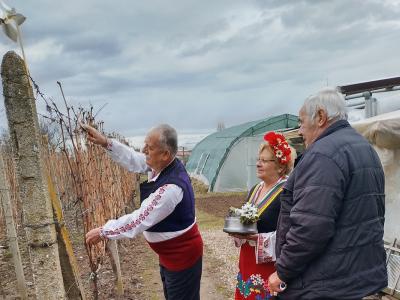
<point>252,278</point>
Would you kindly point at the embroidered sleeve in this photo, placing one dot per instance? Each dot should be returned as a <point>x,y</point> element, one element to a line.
<point>265,248</point>
<point>154,209</point>
<point>127,157</point>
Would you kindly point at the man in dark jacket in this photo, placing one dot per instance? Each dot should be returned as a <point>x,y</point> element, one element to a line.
<point>330,230</point>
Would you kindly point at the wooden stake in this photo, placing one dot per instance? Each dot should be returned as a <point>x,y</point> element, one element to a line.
<point>112,248</point>
<point>11,232</point>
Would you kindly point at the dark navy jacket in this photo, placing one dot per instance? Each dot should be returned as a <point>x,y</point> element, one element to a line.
<point>330,229</point>
<point>184,214</point>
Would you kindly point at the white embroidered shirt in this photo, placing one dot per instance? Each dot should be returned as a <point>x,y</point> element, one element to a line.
<point>153,209</point>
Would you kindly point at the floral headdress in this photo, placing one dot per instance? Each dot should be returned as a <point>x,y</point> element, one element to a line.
<point>279,145</point>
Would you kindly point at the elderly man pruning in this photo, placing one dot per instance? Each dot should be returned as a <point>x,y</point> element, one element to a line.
<point>166,216</point>
<point>330,230</point>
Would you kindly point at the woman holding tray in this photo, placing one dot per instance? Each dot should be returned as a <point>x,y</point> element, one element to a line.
<point>257,251</point>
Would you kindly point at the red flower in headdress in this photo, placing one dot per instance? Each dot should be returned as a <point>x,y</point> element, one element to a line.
<point>279,145</point>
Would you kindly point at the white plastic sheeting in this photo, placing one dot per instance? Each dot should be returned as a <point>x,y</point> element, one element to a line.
<point>238,172</point>
<point>383,132</point>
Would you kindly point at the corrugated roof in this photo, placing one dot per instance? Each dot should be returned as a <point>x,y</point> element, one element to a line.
<point>208,155</point>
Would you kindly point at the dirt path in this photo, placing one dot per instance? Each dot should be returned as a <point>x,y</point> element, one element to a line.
<point>208,289</point>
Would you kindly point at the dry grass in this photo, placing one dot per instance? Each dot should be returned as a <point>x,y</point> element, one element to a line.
<point>199,188</point>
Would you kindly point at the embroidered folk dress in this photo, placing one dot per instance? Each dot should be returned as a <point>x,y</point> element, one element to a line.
<point>255,262</point>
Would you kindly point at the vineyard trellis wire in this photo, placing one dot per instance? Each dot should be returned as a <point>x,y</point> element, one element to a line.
<point>86,179</point>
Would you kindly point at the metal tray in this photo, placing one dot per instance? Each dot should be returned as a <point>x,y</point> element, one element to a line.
<point>233,225</point>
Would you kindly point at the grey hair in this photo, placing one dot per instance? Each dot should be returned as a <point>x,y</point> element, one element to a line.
<point>168,137</point>
<point>329,100</point>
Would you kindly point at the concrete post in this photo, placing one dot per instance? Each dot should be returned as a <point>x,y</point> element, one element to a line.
<point>37,209</point>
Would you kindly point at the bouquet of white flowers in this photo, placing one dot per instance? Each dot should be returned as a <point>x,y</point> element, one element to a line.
<point>248,213</point>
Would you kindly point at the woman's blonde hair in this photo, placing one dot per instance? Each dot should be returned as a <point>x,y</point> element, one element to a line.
<point>286,168</point>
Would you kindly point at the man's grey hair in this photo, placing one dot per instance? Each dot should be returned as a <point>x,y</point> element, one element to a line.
<point>168,137</point>
<point>329,100</point>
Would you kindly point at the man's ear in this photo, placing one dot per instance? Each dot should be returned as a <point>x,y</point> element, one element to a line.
<point>322,118</point>
<point>166,155</point>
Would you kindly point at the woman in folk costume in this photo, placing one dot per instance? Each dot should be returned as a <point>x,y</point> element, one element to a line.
<point>257,251</point>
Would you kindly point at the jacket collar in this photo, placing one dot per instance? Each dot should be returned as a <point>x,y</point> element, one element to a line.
<point>331,129</point>
<point>334,127</point>
<point>165,170</point>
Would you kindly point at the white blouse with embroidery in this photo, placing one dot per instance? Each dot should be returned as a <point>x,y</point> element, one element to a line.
<point>264,246</point>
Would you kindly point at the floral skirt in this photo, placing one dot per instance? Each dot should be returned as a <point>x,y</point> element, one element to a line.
<point>252,278</point>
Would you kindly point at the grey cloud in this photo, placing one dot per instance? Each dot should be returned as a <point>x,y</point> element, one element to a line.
<point>93,47</point>
<point>336,14</point>
<point>194,63</point>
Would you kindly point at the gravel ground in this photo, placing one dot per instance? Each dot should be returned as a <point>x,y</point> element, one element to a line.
<point>221,248</point>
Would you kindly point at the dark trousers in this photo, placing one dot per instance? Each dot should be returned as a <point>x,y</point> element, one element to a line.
<point>184,284</point>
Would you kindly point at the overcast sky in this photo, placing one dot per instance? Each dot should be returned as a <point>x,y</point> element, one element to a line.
<point>196,63</point>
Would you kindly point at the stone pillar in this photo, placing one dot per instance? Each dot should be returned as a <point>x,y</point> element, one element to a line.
<point>37,210</point>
